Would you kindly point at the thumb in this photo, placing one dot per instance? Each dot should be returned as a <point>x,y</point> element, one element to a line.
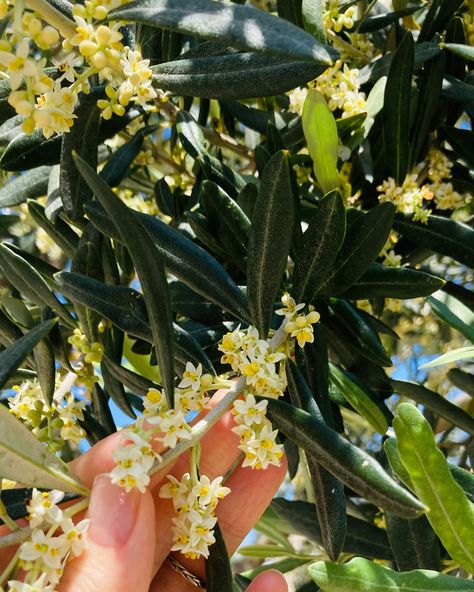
<point>121,538</point>
<point>269,581</point>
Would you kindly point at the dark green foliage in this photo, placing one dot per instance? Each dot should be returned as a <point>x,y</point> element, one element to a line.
<point>206,207</point>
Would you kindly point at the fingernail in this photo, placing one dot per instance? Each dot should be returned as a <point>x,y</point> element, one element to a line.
<point>112,513</point>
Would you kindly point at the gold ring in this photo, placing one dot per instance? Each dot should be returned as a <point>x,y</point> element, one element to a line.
<point>187,575</point>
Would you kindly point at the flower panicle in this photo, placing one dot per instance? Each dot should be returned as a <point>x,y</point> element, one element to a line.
<point>94,48</point>
<point>54,540</point>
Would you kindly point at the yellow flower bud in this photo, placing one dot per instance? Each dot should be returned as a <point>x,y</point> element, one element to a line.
<point>88,48</point>
<point>49,35</point>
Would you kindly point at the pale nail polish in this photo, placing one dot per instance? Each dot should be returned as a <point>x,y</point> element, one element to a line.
<point>112,513</point>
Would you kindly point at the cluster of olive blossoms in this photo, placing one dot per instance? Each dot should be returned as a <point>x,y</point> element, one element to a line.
<point>160,425</point>
<point>413,194</point>
<point>53,423</point>
<point>54,539</point>
<point>257,436</point>
<point>341,86</point>
<point>194,501</point>
<point>194,498</point>
<point>336,20</point>
<point>86,355</point>
<point>89,47</point>
<point>255,360</point>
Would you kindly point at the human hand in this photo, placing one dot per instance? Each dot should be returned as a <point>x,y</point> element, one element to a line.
<point>130,534</point>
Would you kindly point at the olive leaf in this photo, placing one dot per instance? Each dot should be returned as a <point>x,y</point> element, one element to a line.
<point>450,514</point>
<point>269,240</point>
<point>150,270</point>
<point>25,459</point>
<point>240,26</point>
<point>351,465</point>
<point>320,131</point>
<point>361,575</point>
<point>15,354</point>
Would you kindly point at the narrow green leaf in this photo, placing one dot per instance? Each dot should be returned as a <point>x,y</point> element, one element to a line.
<point>223,175</point>
<point>463,478</point>
<point>450,514</point>
<point>58,230</point>
<point>438,17</point>
<point>382,20</point>
<point>315,358</point>
<point>361,331</point>
<point>234,76</point>
<point>359,400</point>
<point>114,389</point>
<point>454,312</point>
<point>414,543</point>
<point>25,459</point>
<point>320,131</point>
<point>218,569</point>
<point>374,104</point>
<point>351,465</point>
<point>393,282</point>
<point>461,141</point>
<point>328,491</point>
<point>264,551</point>
<point>440,235</point>
<point>188,349</point>
<point>455,355</point>
<point>363,241</point>
<point>376,69</point>
<point>126,308</point>
<point>455,90</point>
<point>230,224</point>
<point>435,403</point>
<point>241,26</point>
<point>269,240</point>
<point>455,33</point>
<point>6,110</point>
<point>45,364</point>
<point>187,261</point>
<point>361,575</point>
<point>17,312</point>
<point>123,306</point>
<point>150,271</point>
<point>29,151</point>
<point>86,261</point>
<point>318,248</point>
<point>82,139</point>
<point>312,12</point>
<point>27,280</point>
<point>118,165</point>
<point>396,112</point>
<point>465,51</point>
<point>13,356</point>
<point>463,380</point>
<point>31,184</point>
<point>190,134</point>
<point>291,11</point>
<point>362,538</point>
<point>391,450</point>
<point>136,383</point>
<point>428,104</point>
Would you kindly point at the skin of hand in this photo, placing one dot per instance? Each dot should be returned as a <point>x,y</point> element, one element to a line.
<point>130,534</point>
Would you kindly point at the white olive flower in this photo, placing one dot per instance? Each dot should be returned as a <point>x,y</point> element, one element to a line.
<point>248,411</point>
<point>42,507</point>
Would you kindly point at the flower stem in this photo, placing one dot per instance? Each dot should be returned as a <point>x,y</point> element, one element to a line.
<point>15,538</point>
<point>9,568</point>
<point>51,15</point>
